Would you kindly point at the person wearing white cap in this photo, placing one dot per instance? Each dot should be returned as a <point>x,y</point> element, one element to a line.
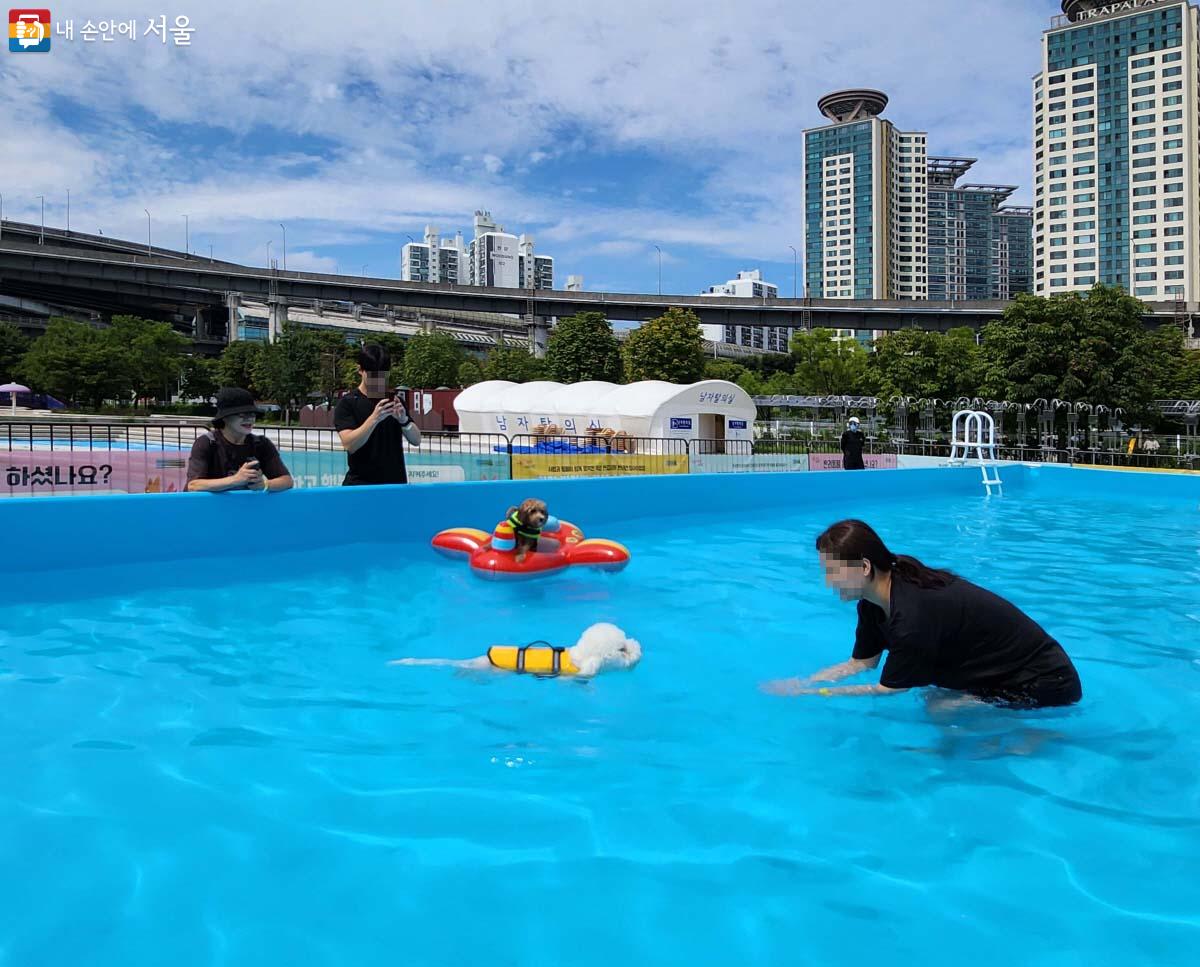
<point>853,441</point>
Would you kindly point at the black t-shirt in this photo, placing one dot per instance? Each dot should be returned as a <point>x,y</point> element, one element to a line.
<point>960,636</point>
<point>852,444</point>
<point>214,457</point>
<point>381,459</point>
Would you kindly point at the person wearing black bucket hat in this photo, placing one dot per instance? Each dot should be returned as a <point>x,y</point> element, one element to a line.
<point>231,456</point>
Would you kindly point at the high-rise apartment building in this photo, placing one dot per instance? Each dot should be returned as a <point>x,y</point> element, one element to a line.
<point>1115,150</point>
<point>978,247</point>
<point>748,285</point>
<point>493,258</point>
<point>865,194</point>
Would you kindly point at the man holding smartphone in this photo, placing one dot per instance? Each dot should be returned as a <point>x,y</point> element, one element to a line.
<point>373,424</point>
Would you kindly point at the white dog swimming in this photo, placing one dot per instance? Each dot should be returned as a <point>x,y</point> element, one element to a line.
<point>602,647</point>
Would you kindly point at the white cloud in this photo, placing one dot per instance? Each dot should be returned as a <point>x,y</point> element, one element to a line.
<point>304,261</point>
<point>406,93</point>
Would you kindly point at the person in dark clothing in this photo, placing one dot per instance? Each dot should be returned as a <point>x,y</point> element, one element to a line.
<point>373,424</point>
<point>853,441</point>
<point>231,456</point>
<point>937,628</point>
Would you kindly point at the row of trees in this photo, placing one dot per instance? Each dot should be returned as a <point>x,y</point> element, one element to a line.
<point>1090,348</point>
<point>138,360</point>
<point>1082,347</point>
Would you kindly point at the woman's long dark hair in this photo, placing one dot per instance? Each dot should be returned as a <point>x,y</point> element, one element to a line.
<point>856,540</point>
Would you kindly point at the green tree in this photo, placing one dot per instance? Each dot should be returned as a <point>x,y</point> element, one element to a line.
<point>583,347</point>
<point>431,359</point>
<point>238,364</point>
<point>912,362</point>
<point>75,362</point>
<point>199,379</point>
<point>152,355</point>
<point>13,345</point>
<point>1190,388</point>
<point>289,368</point>
<point>470,373</point>
<point>1085,347</point>
<point>514,363</point>
<point>724,369</point>
<point>668,348</point>
<point>827,365</point>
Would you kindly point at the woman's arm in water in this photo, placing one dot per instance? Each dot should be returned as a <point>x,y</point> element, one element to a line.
<point>794,686</point>
<point>844,669</point>
<point>834,673</point>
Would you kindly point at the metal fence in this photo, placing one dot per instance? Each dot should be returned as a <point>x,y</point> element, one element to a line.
<point>57,458</point>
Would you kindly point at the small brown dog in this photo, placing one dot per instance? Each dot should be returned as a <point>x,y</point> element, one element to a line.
<point>525,523</point>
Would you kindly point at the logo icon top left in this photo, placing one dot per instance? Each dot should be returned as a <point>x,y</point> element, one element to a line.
<point>29,31</point>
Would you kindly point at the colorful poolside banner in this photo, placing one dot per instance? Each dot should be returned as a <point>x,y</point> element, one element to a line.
<point>534,466</point>
<point>29,473</point>
<point>833,461</point>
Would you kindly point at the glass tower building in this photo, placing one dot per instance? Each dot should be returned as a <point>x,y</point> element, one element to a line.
<point>977,247</point>
<point>1115,150</point>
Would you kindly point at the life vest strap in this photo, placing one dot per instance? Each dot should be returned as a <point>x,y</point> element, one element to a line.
<point>554,650</point>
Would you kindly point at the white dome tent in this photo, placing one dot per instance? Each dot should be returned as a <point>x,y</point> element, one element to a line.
<point>712,409</point>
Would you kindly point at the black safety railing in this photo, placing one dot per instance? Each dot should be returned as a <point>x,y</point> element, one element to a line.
<point>63,457</point>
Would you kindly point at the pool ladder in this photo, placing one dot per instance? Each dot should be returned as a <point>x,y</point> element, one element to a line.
<point>974,430</point>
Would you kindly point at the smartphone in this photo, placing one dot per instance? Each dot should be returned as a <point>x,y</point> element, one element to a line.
<point>390,395</point>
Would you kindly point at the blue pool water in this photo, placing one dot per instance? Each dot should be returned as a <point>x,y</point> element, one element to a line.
<point>214,765</point>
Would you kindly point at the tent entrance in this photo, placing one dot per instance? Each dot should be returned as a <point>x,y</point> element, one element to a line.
<point>712,433</point>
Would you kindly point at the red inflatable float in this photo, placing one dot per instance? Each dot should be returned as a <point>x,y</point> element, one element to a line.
<point>558,548</point>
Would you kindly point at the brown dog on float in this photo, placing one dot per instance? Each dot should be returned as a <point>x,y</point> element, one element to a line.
<point>520,530</point>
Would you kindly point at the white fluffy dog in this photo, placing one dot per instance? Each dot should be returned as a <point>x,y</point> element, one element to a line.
<point>602,647</point>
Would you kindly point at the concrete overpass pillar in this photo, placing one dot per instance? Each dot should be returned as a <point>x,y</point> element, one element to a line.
<point>389,314</point>
<point>427,323</point>
<point>233,302</point>
<point>539,336</point>
<point>278,317</point>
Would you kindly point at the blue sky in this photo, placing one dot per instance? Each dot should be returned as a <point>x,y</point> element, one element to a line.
<point>601,129</point>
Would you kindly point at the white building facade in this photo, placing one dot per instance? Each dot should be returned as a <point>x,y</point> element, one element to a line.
<point>1116,150</point>
<point>494,257</point>
<point>748,285</point>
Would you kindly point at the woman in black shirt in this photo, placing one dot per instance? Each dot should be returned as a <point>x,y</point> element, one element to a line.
<point>937,628</point>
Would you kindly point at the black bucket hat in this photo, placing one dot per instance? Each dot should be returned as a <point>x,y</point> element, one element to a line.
<point>232,400</point>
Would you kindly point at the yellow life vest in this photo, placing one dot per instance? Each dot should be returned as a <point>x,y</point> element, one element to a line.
<point>538,658</point>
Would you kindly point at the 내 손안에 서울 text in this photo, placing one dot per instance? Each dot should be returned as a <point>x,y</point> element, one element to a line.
<point>32,30</point>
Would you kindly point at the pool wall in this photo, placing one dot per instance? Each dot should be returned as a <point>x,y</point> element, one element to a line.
<point>78,532</point>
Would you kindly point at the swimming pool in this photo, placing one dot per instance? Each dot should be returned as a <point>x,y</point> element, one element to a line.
<point>207,761</point>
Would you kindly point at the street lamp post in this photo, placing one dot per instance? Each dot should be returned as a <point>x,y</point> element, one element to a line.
<point>149,251</point>
<point>284,246</point>
<point>68,211</point>
<point>659,250</point>
<point>268,253</point>
<point>42,233</point>
<point>795,270</point>
<point>187,236</point>
<point>364,271</point>
<point>1,216</point>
